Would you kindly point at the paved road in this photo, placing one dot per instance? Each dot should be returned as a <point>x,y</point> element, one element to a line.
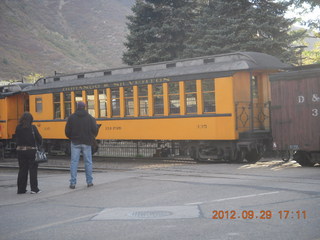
<point>167,200</point>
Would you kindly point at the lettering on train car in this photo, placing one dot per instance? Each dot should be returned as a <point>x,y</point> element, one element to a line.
<point>315,98</point>
<point>117,128</point>
<point>300,99</point>
<point>315,112</point>
<point>202,126</point>
<point>117,84</point>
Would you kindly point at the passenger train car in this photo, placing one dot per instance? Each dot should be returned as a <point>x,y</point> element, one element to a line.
<point>215,107</point>
<point>12,104</point>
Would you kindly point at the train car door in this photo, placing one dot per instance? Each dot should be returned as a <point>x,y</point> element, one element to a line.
<point>16,106</point>
<point>260,106</point>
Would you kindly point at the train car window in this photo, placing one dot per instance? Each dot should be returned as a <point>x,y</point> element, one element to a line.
<point>102,103</point>
<point>38,105</point>
<point>56,105</point>
<point>128,98</point>
<point>67,104</point>
<point>191,96</point>
<point>158,99</point>
<point>208,94</point>
<point>143,100</point>
<point>90,102</point>
<point>174,98</point>
<point>255,88</point>
<point>78,97</point>
<point>115,100</point>
<point>26,106</point>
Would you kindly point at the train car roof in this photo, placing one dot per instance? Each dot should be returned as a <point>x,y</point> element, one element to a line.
<point>296,73</point>
<point>12,89</point>
<point>221,65</point>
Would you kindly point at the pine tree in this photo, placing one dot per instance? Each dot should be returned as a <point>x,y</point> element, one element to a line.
<point>313,3</point>
<point>163,30</point>
<point>241,25</point>
<point>157,30</point>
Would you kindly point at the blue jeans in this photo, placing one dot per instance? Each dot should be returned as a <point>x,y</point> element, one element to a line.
<point>75,157</point>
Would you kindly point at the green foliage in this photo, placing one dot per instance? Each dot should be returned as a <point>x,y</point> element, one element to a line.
<point>234,25</point>
<point>311,56</point>
<point>307,52</point>
<point>312,3</point>
<point>166,30</point>
<point>6,82</point>
<point>157,30</point>
<point>33,77</point>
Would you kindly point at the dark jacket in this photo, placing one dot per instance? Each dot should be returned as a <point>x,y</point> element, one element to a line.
<point>24,136</point>
<point>81,127</point>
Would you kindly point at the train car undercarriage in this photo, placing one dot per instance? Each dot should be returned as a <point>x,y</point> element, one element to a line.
<point>227,151</point>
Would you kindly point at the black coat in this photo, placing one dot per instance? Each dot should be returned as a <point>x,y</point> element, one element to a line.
<point>24,136</point>
<point>81,127</point>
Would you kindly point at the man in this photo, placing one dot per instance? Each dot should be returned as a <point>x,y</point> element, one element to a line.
<point>81,128</point>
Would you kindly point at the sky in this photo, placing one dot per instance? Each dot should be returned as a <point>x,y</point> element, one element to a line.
<point>298,13</point>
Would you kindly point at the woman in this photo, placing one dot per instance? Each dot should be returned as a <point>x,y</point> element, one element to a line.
<point>27,136</point>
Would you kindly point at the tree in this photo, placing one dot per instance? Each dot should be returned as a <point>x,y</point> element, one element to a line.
<point>241,25</point>
<point>33,77</point>
<point>157,30</point>
<point>169,29</point>
<point>307,7</point>
<point>312,3</point>
<point>311,56</point>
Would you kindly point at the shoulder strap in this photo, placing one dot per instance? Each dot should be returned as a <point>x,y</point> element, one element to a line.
<point>34,136</point>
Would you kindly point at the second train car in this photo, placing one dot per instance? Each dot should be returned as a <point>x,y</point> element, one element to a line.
<point>296,113</point>
<point>216,107</point>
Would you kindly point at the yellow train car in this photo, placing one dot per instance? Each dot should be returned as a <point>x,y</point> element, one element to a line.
<point>12,104</point>
<point>216,107</point>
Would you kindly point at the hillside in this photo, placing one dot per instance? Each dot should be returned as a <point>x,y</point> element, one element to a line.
<point>61,35</point>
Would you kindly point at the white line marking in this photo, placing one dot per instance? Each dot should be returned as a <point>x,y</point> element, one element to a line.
<point>195,203</point>
<point>234,198</point>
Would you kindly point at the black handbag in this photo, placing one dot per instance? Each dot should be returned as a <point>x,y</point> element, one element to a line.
<point>94,145</point>
<point>40,156</point>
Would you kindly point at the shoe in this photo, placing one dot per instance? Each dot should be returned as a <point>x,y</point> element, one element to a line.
<point>90,185</point>
<point>33,192</point>
<point>22,192</point>
<point>72,186</point>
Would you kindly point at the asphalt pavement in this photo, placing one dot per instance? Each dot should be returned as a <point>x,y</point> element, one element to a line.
<point>143,199</point>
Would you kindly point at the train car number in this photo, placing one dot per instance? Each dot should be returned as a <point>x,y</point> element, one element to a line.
<point>113,128</point>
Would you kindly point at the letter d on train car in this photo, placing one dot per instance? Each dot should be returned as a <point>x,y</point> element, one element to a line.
<point>300,99</point>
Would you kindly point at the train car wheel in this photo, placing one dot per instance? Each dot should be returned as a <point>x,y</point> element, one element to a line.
<point>239,156</point>
<point>285,155</point>
<point>253,156</point>
<point>194,153</point>
<point>303,158</point>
